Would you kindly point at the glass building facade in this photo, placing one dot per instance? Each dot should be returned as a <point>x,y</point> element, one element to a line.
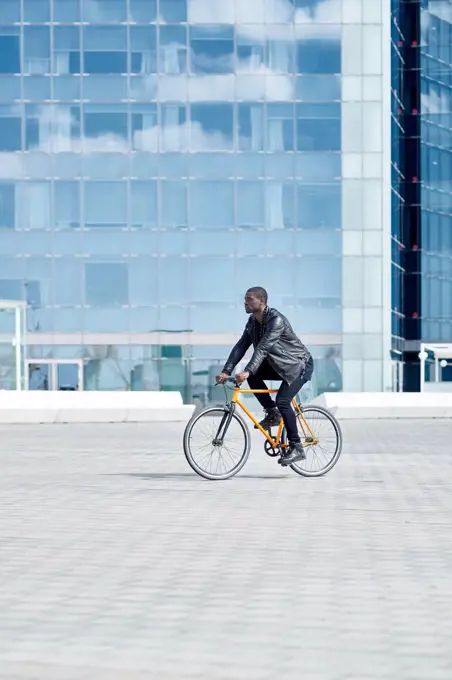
<point>159,157</point>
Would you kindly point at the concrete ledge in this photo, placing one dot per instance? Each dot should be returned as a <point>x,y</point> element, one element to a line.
<point>93,407</point>
<point>374,405</point>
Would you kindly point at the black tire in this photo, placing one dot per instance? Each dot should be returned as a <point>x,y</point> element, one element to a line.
<point>240,429</point>
<point>301,467</point>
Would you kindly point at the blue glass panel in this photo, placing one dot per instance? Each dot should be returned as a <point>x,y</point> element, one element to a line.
<point>36,87</point>
<point>211,126</point>
<point>318,242</point>
<point>319,56</point>
<point>143,46</point>
<point>144,127</point>
<point>251,204</point>
<point>143,197</point>
<point>104,11</point>
<point>36,49</point>
<point>100,120</point>
<point>174,242</point>
<point>217,242</point>
<point>10,89</point>
<point>249,165</point>
<point>279,165</point>
<point>10,132</point>
<point>174,281</point>
<point>318,127</point>
<point>67,87</point>
<point>105,38</point>
<point>143,11</point>
<point>211,204</point>
<point>67,205</point>
<point>280,127</point>
<point>106,283</point>
<point>66,45</point>
<point>212,49</point>
<point>318,88</point>
<point>211,165</point>
<point>105,62</point>
<point>173,11</point>
<point>7,205</point>
<point>173,203</point>
<point>219,271</point>
<point>280,205</point>
<point>34,207</point>
<point>173,49</point>
<point>251,127</point>
<point>68,165</point>
<point>35,11</point>
<point>104,87</point>
<point>10,11</point>
<point>66,11</point>
<point>143,278</point>
<point>173,128</point>
<point>9,54</point>
<point>67,273</point>
<point>318,166</point>
<point>104,243</point>
<point>105,204</point>
<point>319,205</point>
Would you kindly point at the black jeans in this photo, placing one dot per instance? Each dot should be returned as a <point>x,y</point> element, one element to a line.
<point>285,394</point>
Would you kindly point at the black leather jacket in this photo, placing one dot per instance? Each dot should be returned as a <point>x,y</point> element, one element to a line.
<point>285,353</point>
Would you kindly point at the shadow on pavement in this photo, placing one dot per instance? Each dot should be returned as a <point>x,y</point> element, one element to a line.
<point>187,475</point>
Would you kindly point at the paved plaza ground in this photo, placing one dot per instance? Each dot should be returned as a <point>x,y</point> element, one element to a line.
<point>119,563</point>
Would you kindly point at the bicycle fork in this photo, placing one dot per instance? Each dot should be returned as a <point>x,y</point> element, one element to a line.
<point>224,425</point>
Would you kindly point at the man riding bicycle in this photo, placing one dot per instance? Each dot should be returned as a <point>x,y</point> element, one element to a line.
<point>278,355</point>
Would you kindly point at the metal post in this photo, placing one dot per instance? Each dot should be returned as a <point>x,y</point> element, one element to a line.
<point>18,343</point>
<point>422,367</point>
<point>436,369</point>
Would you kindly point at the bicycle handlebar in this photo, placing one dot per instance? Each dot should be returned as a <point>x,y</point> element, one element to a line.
<point>229,379</point>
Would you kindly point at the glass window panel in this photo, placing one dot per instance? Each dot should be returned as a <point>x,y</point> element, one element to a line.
<point>144,127</point>
<point>173,49</point>
<point>173,11</point>
<point>211,204</point>
<point>36,49</point>
<point>105,204</point>
<point>319,56</point>
<point>105,62</point>
<point>279,165</point>
<point>250,204</point>
<point>66,46</point>
<point>281,54</point>
<point>174,242</point>
<point>143,11</point>
<point>319,205</point>
<point>10,11</point>
<point>106,242</point>
<point>9,89</point>
<point>251,49</point>
<point>211,165</point>
<point>280,127</point>
<point>204,242</point>
<point>173,197</point>
<point>144,320</point>
<point>106,284</point>
<point>67,87</point>
<point>36,87</point>
<point>211,126</point>
<point>143,46</point>
<point>143,197</point>
<point>35,11</point>
<point>219,272</point>
<point>279,241</point>
<point>105,38</point>
<point>143,241</point>
<point>67,272</point>
<point>174,280</point>
<point>318,242</point>
<point>10,129</point>
<point>144,165</point>
<point>66,11</point>
<point>7,205</point>
<point>9,54</point>
<point>212,49</point>
<point>322,278</point>
<point>104,11</point>
<point>143,87</point>
<point>68,241</point>
<point>67,205</point>
<point>105,87</point>
<point>251,127</point>
<point>102,120</point>
<point>173,318</point>
<point>173,127</point>
<point>279,205</point>
<point>143,280</point>
<point>318,88</point>
<point>34,208</point>
<point>249,165</point>
<point>318,127</point>
<point>318,166</point>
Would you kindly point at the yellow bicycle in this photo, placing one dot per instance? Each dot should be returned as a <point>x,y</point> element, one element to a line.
<point>217,441</point>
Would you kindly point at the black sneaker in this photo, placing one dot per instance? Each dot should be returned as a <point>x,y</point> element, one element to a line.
<point>272,419</point>
<point>293,454</point>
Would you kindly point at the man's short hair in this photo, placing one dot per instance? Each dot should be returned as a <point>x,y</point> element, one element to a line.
<point>259,292</point>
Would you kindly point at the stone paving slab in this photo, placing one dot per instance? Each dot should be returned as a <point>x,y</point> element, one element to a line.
<point>119,563</point>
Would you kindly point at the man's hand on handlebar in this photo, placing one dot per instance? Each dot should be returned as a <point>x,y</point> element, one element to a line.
<point>238,379</point>
<point>222,378</point>
<point>241,377</point>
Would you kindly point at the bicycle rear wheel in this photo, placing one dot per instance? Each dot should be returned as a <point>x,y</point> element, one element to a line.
<point>216,443</point>
<point>321,437</point>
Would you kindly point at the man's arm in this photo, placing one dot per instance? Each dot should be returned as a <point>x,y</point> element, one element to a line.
<point>273,332</point>
<point>238,352</point>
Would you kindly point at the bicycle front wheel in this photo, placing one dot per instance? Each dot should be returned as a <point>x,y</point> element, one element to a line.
<point>216,443</point>
<point>321,437</point>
